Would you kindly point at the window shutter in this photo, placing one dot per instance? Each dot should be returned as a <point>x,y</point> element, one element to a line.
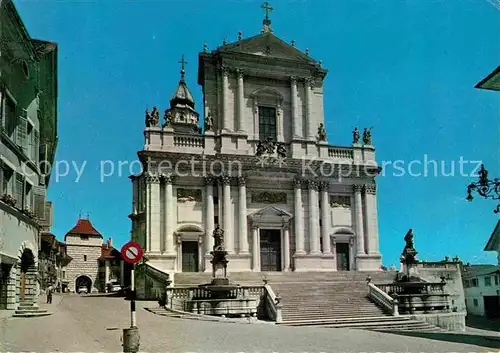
<point>1,110</point>
<point>35,146</point>
<point>22,129</point>
<point>19,190</point>
<point>48,214</point>
<point>39,199</point>
<point>3,189</point>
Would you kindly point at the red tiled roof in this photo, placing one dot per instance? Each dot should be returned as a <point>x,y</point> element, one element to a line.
<point>83,226</point>
<point>108,252</point>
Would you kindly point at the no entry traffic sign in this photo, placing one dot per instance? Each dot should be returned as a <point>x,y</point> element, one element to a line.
<point>132,252</point>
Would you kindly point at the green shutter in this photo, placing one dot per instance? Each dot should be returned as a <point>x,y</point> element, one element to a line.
<point>21,131</point>
<point>35,146</point>
<point>19,190</point>
<point>39,200</point>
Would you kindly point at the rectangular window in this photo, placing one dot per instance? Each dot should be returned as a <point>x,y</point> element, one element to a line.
<point>84,237</point>
<point>475,302</point>
<point>28,196</point>
<point>267,123</point>
<point>84,257</point>
<point>10,116</point>
<point>466,283</point>
<point>487,281</point>
<point>474,282</point>
<point>496,280</point>
<point>6,180</point>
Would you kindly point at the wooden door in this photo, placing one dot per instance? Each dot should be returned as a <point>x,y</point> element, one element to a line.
<point>343,258</point>
<point>270,250</point>
<point>189,256</point>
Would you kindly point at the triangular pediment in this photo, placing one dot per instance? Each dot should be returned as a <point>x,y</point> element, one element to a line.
<point>270,211</point>
<point>267,45</point>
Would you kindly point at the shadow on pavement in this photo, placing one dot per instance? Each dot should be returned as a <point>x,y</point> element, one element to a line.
<point>483,323</point>
<point>483,341</point>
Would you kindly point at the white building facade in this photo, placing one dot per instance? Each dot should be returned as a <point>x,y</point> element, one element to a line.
<point>261,168</point>
<point>482,291</point>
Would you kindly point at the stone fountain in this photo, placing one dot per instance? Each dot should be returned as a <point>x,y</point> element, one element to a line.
<point>220,297</point>
<point>219,287</point>
<point>413,293</point>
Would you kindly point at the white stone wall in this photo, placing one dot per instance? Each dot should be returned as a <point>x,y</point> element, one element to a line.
<point>478,293</point>
<point>432,272</point>
<point>77,249</point>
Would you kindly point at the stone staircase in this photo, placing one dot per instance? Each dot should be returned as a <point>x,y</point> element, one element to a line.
<point>322,299</point>
<point>187,279</point>
<point>28,309</point>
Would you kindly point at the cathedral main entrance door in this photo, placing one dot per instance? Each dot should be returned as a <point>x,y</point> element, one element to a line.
<point>270,250</point>
<point>343,259</point>
<point>189,256</point>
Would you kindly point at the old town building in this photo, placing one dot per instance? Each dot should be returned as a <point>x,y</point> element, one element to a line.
<point>94,264</point>
<point>262,168</point>
<point>28,136</point>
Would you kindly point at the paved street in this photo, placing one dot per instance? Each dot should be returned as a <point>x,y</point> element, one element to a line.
<point>93,324</point>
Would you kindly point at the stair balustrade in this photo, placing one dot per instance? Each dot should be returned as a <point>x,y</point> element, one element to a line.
<point>383,299</point>
<point>273,304</point>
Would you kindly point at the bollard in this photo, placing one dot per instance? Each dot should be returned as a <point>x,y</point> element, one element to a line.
<point>131,340</point>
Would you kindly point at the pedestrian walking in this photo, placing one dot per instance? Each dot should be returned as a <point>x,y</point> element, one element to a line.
<point>49,294</point>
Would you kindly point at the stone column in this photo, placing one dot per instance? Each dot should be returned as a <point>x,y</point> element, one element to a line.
<point>201,261</point>
<point>255,248</point>
<point>325,218</point>
<point>280,124</point>
<point>309,121</point>
<point>228,215</point>
<point>209,214</point>
<point>370,219</point>
<point>286,247</point>
<point>296,126</point>
<point>241,100</point>
<point>106,275</point>
<point>334,251</point>
<point>242,213</point>
<point>220,211</point>
<point>154,227</point>
<point>169,215</point>
<point>298,218</point>
<point>360,235</point>
<point>225,94</point>
<point>314,244</point>
<point>122,273</point>
<point>352,257</point>
<point>135,193</point>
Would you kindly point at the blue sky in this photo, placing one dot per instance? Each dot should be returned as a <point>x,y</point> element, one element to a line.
<point>408,68</point>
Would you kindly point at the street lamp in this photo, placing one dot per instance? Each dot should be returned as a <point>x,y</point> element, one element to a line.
<point>489,189</point>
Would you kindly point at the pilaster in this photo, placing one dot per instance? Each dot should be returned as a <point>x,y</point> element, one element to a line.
<point>286,248</point>
<point>209,214</point>
<point>241,100</point>
<point>325,218</point>
<point>225,96</point>
<point>228,215</point>
<point>242,213</point>
<point>255,248</point>
<point>153,224</point>
<point>296,125</point>
<point>308,84</point>
<point>169,215</point>
<point>360,236</point>
<point>370,219</point>
<point>298,218</point>
<point>314,244</point>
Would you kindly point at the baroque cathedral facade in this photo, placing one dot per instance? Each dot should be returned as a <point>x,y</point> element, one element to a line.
<point>261,168</point>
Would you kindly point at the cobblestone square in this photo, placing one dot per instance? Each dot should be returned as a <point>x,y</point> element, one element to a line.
<point>94,324</point>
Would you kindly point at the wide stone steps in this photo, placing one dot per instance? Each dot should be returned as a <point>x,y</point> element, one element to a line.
<point>372,323</point>
<point>196,278</point>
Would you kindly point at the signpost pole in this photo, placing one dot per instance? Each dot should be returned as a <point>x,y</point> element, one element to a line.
<point>131,253</point>
<point>133,320</point>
